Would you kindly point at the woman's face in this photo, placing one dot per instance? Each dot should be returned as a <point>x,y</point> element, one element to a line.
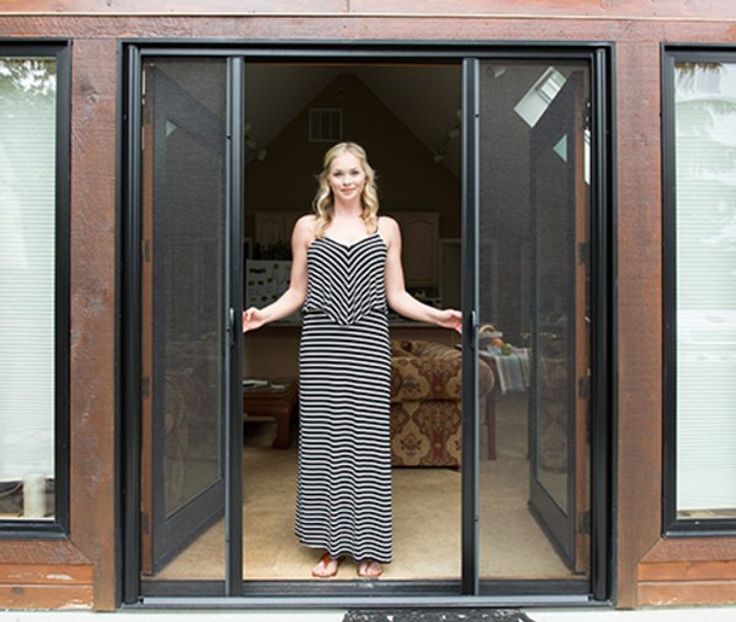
<point>346,177</point>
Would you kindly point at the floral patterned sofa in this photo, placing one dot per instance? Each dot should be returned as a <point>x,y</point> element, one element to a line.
<point>426,386</point>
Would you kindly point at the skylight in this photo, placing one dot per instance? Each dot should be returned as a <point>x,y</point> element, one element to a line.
<point>532,106</point>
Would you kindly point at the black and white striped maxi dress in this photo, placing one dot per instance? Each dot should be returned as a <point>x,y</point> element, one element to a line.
<point>343,501</point>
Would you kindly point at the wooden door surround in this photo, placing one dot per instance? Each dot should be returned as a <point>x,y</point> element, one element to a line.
<point>81,570</point>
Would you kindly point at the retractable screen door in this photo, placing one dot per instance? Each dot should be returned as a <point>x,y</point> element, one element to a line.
<point>535,317</point>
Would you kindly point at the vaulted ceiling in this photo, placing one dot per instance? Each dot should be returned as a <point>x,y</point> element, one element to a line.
<point>426,98</point>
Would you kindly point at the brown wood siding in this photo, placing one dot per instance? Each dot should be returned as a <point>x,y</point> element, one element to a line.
<point>44,574</point>
<point>532,9</point>
<point>639,276</point>
<point>92,405</point>
<point>645,569</point>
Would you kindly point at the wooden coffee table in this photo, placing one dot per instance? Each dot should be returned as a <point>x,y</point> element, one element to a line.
<point>277,400</point>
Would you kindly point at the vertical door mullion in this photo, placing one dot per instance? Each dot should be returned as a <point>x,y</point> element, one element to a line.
<point>601,402</point>
<point>132,349</point>
<point>470,453</point>
<point>233,309</point>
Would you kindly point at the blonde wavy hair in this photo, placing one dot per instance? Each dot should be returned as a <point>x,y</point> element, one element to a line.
<point>323,202</point>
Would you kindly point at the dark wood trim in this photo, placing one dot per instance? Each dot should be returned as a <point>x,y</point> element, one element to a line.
<point>638,214</point>
<point>691,550</point>
<point>39,574</point>
<point>93,296</point>
<point>637,41</point>
<point>44,574</point>
<point>531,9</point>
<point>674,593</point>
<point>687,571</point>
<point>217,29</point>
<point>32,596</point>
<point>61,552</point>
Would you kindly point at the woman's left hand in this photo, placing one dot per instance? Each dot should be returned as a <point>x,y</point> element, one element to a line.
<point>450,318</point>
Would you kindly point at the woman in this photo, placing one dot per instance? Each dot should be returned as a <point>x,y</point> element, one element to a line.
<point>346,271</point>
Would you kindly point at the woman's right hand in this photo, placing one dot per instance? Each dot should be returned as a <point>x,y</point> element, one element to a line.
<point>253,318</point>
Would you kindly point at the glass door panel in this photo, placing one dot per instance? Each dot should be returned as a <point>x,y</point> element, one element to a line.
<point>184,333</point>
<point>534,327</point>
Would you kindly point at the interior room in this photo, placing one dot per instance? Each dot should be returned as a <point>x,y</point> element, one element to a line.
<point>408,119</point>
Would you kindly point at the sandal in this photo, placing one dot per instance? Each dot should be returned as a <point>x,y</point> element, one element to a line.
<point>365,566</point>
<point>326,560</point>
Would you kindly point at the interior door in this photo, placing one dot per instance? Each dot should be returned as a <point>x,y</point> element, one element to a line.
<point>559,371</point>
<point>185,362</point>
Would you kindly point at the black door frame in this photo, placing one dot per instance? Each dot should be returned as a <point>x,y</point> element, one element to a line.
<point>470,591</point>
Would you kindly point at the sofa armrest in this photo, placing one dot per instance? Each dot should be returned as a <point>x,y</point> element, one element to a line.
<point>427,370</point>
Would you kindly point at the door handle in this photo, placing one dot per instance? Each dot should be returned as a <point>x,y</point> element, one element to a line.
<point>472,327</point>
<point>231,325</point>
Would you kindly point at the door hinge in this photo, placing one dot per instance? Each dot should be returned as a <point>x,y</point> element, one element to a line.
<point>583,253</point>
<point>584,387</point>
<point>584,522</point>
<point>146,250</point>
<point>145,387</point>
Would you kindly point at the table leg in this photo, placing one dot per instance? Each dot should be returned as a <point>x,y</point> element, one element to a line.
<point>283,427</point>
<point>491,422</point>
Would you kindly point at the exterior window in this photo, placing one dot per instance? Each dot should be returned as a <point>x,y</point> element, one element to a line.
<point>700,291</point>
<point>33,325</point>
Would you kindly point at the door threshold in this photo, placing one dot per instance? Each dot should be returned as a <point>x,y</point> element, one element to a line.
<point>363,602</point>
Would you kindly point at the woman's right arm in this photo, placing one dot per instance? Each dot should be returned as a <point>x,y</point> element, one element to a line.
<point>293,298</point>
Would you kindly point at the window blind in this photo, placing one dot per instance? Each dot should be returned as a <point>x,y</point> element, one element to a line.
<point>705,152</point>
<point>27,259</point>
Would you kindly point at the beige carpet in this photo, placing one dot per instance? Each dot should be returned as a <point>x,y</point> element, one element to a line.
<point>426,517</point>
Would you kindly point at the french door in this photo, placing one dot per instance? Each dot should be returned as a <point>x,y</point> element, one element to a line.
<point>559,384</point>
<point>531,172</point>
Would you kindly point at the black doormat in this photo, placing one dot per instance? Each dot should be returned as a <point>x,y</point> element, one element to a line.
<point>437,615</point>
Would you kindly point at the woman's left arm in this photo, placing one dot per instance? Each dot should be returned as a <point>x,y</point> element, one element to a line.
<point>398,298</point>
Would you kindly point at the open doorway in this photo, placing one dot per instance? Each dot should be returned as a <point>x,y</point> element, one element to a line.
<point>407,117</point>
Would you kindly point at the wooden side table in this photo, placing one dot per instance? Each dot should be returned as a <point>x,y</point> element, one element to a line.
<point>277,400</point>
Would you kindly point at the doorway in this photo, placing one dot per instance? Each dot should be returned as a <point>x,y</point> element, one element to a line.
<point>501,227</point>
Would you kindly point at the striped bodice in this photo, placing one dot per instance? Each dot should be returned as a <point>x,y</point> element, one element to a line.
<point>346,281</point>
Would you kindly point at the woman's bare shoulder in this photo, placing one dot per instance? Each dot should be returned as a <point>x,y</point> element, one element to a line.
<point>306,220</point>
<point>304,228</point>
<point>305,223</point>
<point>387,221</point>
<point>388,226</point>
